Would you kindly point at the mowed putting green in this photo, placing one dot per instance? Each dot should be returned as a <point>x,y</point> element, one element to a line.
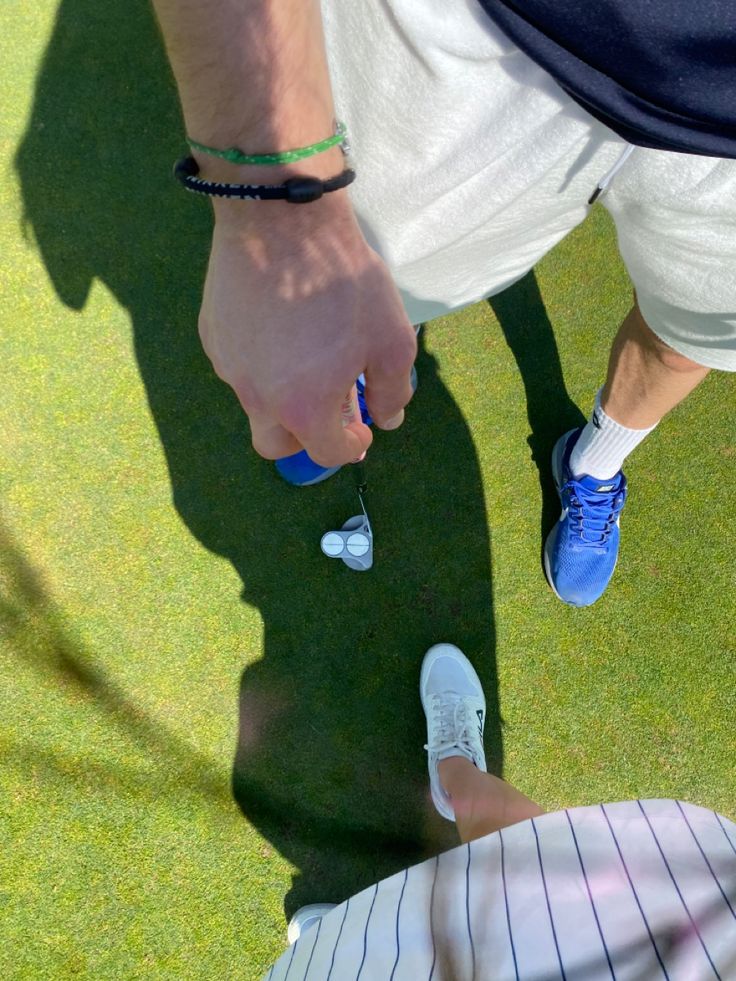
<point>205,722</point>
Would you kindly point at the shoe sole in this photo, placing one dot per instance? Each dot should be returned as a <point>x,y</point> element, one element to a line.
<point>557,454</point>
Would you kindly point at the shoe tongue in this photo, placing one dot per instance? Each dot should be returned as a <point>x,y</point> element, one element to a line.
<point>599,486</point>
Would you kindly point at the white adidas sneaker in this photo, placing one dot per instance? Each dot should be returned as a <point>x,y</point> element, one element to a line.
<point>455,707</point>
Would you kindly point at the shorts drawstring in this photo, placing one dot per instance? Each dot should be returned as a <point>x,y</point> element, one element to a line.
<point>605,181</point>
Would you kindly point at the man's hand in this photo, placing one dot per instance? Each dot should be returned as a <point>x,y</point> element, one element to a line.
<point>296,306</point>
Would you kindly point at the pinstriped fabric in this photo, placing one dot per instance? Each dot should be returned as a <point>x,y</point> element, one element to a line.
<point>728,839</point>
<point>398,938</point>
<point>431,925</point>
<point>590,895</point>
<point>707,862</point>
<point>365,934</point>
<point>337,939</point>
<point>617,891</point>
<point>467,910</point>
<point>293,951</point>
<point>635,894</point>
<point>314,945</point>
<point>679,891</point>
<point>546,899</point>
<point>506,906</point>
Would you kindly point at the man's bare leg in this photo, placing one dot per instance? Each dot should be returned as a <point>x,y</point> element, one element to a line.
<point>646,377</point>
<point>482,803</point>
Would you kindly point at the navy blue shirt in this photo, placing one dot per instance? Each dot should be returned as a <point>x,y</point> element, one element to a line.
<point>660,73</point>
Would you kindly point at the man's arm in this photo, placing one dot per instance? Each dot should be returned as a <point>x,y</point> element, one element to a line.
<point>251,73</point>
<point>296,304</point>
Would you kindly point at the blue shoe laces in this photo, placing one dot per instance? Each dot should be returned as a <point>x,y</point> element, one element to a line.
<point>592,514</point>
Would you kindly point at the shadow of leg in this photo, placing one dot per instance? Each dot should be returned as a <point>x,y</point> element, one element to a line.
<point>523,319</point>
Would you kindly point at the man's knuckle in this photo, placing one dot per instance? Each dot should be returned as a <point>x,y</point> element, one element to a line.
<point>260,445</point>
<point>250,397</point>
<point>296,410</point>
<point>398,357</point>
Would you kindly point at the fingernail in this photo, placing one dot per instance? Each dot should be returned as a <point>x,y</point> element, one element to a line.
<point>395,422</point>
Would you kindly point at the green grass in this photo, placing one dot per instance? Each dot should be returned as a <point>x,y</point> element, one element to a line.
<point>203,721</point>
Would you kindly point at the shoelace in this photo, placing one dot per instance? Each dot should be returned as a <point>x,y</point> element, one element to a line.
<point>450,718</point>
<point>593,514</point>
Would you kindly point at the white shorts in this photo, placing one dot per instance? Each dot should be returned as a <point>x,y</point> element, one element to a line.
<point>626,891</point>
<point>472,163</point>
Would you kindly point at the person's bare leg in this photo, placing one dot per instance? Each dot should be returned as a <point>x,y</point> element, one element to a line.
<point>646,378</point>
<point>482,803</point>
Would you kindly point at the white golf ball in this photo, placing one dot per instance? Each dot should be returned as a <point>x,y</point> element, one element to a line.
<point>358,544</point>
<point>332,544</point>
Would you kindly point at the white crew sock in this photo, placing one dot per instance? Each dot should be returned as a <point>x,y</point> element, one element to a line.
<point>603,445</point>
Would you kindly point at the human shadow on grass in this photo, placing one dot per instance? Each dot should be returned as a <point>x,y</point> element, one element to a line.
<point>329,764</point>
<point>551,412</point>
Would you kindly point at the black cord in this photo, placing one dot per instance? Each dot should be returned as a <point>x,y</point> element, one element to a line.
<point>295,190</point>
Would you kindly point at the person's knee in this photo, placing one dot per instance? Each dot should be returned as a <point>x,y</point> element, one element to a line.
<point>667,356</point>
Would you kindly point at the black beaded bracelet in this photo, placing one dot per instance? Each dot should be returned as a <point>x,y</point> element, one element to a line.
<point>296,190</point>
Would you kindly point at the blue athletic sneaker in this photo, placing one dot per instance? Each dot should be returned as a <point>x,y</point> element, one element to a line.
<point>301,470</point>
<point>581,550</point>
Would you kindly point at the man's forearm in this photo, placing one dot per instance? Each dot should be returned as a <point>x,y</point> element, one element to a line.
<point>252,74</point>
<point>296,304</point>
